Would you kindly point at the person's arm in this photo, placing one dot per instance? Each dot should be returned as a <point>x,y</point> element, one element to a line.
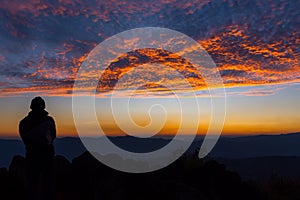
<point>53,128</point>
<point>23,130</point>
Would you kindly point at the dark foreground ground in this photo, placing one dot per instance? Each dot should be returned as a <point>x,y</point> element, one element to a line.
<point>188,178</point>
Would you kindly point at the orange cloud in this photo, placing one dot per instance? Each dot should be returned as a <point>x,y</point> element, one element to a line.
<point>250,53</point>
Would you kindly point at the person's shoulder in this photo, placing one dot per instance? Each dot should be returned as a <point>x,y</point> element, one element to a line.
<point>50,118</point>
<point>24,120</point>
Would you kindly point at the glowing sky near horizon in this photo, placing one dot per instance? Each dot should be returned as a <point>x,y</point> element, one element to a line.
<point>43,44</point>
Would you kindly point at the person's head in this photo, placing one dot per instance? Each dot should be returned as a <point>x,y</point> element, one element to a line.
<point>37,104</point>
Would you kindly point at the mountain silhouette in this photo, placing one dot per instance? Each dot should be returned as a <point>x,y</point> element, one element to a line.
<point>86,178</point>
<point>188,178</point>
<point>226,147</point>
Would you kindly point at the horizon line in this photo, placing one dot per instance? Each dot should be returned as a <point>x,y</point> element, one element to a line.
<point>162,136</point>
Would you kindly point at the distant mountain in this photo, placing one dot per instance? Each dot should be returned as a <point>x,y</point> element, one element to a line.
<point>9,148</point>
<point>264,168</point>
<point>71,147</point>
<point>257,146</point>
<point>227,147</point>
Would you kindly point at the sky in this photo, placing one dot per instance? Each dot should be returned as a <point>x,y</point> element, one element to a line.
<point>254,44</point>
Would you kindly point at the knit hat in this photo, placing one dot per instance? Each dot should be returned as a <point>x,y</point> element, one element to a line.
<point>37,104</point>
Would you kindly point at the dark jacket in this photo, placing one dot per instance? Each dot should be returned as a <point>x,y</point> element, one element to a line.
<point>38,132</point>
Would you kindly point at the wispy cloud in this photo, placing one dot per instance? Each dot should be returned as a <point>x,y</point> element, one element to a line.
<point>43,43</point>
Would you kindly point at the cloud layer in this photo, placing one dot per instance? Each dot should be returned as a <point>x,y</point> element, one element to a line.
<point>44,43</point>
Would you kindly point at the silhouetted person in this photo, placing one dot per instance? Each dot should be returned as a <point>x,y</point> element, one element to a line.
<point>38,132</point>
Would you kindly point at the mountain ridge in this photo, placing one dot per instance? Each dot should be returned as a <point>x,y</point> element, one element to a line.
<point>226,147</point>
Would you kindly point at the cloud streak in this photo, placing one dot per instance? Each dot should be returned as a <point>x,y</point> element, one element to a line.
<point>44,43</point>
